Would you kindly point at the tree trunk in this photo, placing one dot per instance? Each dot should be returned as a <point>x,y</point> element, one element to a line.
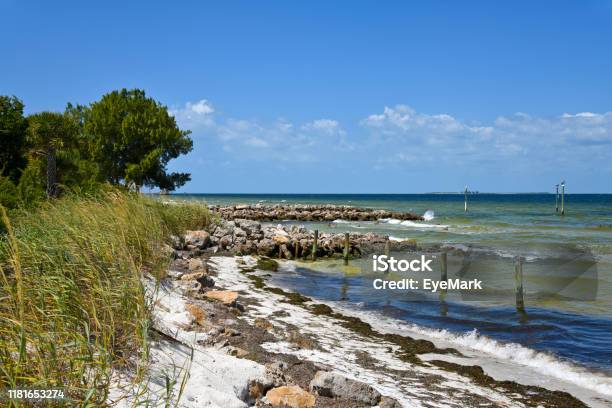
<point>52,189</point>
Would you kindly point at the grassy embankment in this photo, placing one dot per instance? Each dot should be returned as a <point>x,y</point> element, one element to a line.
<point>72,305</point>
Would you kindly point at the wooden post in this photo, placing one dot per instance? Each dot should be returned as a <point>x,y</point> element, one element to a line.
<point>465,198</point>
<point>518,278</point>
<point>563,197</point>
<point>346,248</point>
<point>387,247</point>
<point>314,245</point>
<point>557,199</point>
<point>297,248</point>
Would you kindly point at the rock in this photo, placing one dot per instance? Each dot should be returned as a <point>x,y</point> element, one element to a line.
<point>313,212</point>
<point>275,371</point>
<point>229,332</point>
<point>388,402</point>
<point>206,281</point>
<point>221,232</point>
<point>200,239</point>
<point>248,248</point>
<point>196,312</point>
<point>236,352</point>
<point>192,276</point>
<point>330,384</point>
<point>266,247</point>
<point>225,241</point>
<point>249,226</point>
<point>176,242</point>
<point>256,390</point>
<point>195,264</point>
<point>281,239</point>
<point>292,396</point>
<point>227,297</point>
<point>172,273</point>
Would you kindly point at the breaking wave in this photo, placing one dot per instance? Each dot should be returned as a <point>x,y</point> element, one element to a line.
<point>411,224</point>
<point>540,362</point>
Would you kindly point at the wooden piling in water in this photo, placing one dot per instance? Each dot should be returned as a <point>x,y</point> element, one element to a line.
<point>563,198</point>
<point>297,248</point>
<point>518,278</point>
<point>314,245</point>
<point>346,248</point>
<point>387,247</point>
<point>557,199</point>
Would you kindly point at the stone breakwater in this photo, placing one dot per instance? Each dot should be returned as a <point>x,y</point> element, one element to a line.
<point>248,237</point>
<point>307,212</point>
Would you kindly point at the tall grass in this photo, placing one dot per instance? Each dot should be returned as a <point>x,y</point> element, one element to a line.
<point>72,305</point>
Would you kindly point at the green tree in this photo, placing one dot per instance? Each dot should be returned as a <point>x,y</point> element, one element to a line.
<point>47,133</point>
<point>133,137</point>
<point>13,127</point>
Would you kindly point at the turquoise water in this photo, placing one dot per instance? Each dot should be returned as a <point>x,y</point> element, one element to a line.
<point>567,266</point>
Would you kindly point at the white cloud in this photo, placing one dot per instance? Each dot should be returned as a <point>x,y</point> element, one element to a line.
<point>402,135</point>
<point>195,114</point>
<point>201,107</point>
<point>521,138</point>
<point>405,118</point>
<point>279,139</point>
<point>325,126</point>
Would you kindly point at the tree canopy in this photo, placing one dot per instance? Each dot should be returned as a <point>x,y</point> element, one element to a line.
<point>13,127</point>
<point>124,138</point>
<point>133,137</point>
<point>48,132</point>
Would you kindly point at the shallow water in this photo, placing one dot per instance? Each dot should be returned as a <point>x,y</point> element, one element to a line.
<point>567,267</point>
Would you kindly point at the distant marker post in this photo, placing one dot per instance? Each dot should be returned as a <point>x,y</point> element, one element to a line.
<point>465,198</point>
<point>557,199</point>
<point>563,197</point>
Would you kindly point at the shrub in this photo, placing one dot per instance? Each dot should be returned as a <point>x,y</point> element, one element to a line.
<point>8,193</point>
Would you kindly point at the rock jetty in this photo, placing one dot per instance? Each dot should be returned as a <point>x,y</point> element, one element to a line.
<point>248,237</point>
<point>307,212</point>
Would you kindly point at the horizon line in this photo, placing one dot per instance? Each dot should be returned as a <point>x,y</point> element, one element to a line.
<point>420,193</point>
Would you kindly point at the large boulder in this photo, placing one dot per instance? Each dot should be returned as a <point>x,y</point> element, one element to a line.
<point>290,396</point>
<point>227,297</point>
<point>249,226</point>
<point>199,239</point>
<point>330,384</point>
<point>266,247</point>
<point>239,232</point>
<point>281,239</point>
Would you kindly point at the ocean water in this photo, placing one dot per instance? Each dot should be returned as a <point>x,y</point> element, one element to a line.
<point>567,270</point>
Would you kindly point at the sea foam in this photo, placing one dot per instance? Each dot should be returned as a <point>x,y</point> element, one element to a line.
<point>540,362</point>
<point>411,224</point>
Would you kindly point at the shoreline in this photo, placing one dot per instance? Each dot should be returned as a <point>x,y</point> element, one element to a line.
<point>272,326</point>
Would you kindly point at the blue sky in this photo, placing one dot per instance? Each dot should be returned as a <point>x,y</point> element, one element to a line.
<point>344,96</point>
